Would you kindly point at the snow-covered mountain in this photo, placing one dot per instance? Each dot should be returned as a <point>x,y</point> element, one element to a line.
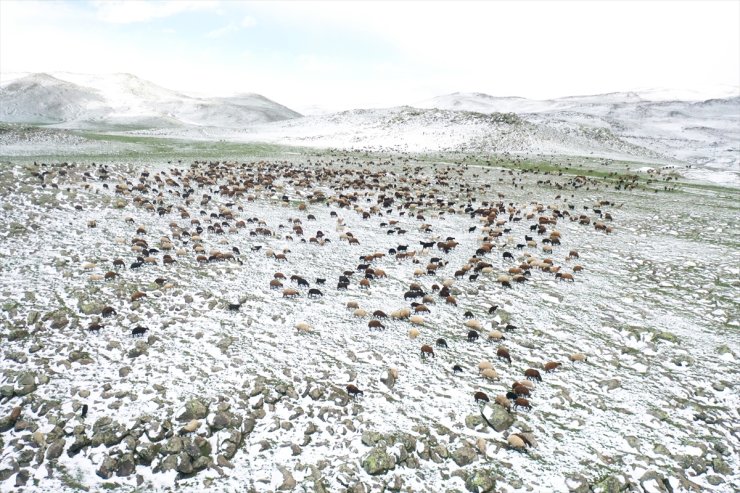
<point>697,132</point>
<point>100,102</point>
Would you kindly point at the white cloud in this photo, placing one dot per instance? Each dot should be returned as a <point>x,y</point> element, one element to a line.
<point>130,11</point>
<point>222,31</point>
<point>248,21</point>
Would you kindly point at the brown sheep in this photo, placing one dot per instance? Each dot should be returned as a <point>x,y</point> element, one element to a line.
<point>522,402</point>
<point>481,397</point>
<point>379,314</point>
<point>551,366</point>
<point>353,391</point>
<point>290,293</point>
<point>521,390</point>
<point>532,374</point>
<point>375,324</point>
<point>565,276</point>
<point>426,351</point>
<point>137,296</point>
<point>421,309</point>
<point>503,353</point>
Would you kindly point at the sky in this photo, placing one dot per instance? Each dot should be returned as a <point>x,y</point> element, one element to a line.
<point>338,55</point>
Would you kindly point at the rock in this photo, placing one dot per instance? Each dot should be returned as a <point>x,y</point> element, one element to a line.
<point>609,484</point>
<point>222,461</point>
<point>16,335</point>
<point>712,479</point>
<point>660,483</point>
<point>147,452</point>
<point>611,384</point>
<point>192,425</point>
<point>720,466</point>
<point>481,481</point>
<point>107,468</point>
<point>316,393</point>
<point>464,455</point>
<point>194,409</point>
<point>184,465</point>
<point>378,461</point>
<point>473,421</point>
<point>288,481</point>
<point>55,449</point>
<point>370,438</point>
<point>173,446</point>
<point>81,441</point>
<point>32,317</point>
<point>126,465</point>
<point>201,463</point>
<point>140,348</point>
<point>25,384</point>
<point>498,417</point>
<point>22,477</point>
<point>123,372</point>
<point>90,307</point>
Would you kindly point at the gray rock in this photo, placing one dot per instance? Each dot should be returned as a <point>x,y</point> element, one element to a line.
<point>126,465</point>
<point>22,477</point>
<point>288,480</point>
<point>184,465</point>
<point>609,484</point>
<point>611,384</point>
<point>371,438</point>
<point>378,461</point>
<point>712,479</point>
<point>169,463</point>
<point>720,466</point>
<point>107,468</point>
<point>464,455</point>
<point>173,446</point>
<point>498,417</point>
<point>81,441</point>
<point>481,481</point>
<point>140,348</point>
<point>194,409</point>
<point>660,482</point>
<point>55,449</point>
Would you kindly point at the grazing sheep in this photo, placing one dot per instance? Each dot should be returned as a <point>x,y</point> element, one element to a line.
<point>426,351</point>
<point>532,374</point>
<point>490,374</point>
<point>525,383</point>
<point>484,365</point>
<point>421,309</point>
<point>521,390</point>
<point>359,312</point>
<point>578,357</point>
<point>516,442</point>
<point>414,333</point>
<point>565,276</point>
<point>457,369</point>
<point>375,324</point>
<point>275,284</point>
<point>441,343</point>
<point>353,391</point>
<point>473,324</point>
<point>108,311</point>
<point>492,309</point>
<point>138,331</point>
<point>503,401</point>
<point>83,411</point>
<point>403,313</point>
<point>481,397</point>
<point>234,307</point>
<point>522,403</point>
<point>551,366</point>
<point>496,335</point>
<point>352,305</point>
<point>137,296</point>
<point>379,314</point>
<point>290,293</point>
<point>94,327</point>
<point>303,327</point>
<point>472,335</point>
<point>417,320</point>
<point>468,314</point>
<point>503,353</point>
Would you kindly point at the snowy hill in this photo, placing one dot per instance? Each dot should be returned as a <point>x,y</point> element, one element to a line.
<point>100,102</point>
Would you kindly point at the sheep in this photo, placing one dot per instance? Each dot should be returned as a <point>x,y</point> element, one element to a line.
<point>516,442</point>
<point>441,343</point>
<point>525,383</point>
<point>417,320</point>
<point>473,324</point>
<point>481,397</point>
<point>426,351</point>
<point>532,374</point>
<point>275,284</point>
<point>352,305</point>
<point>359,312</point>
<point>522,403</point>
<point>503,401</point>
<point>457,368</point>
<point>108,311</point>
<point>577,357</point>
<point>401,314</point>
<point>414,333</point>
<point>138,331</point>
<point>137,296</point>
<point>496,335</point>
<point>472,336</point>
<point>551,366</point>
<point>421,309</point>
<point>375,324</point>
<point>290,293</point>
<point>503,354</point>
<point>490,374</point>
<point>565,276</point>
<point>315,293</point>
<point>379,314</point>
<point>303,327</point>
<point>484,365</point>
<point>521,390</point>
<point>353,391</point>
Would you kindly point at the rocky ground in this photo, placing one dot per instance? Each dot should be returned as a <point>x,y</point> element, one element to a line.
<point>212,397</point>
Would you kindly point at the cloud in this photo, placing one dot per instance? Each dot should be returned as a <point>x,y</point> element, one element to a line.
<point>248,21</point>
<point>222,31</point>
<point>127,11</point>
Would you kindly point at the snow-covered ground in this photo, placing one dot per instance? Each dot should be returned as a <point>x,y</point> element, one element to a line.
<point>655,311</point>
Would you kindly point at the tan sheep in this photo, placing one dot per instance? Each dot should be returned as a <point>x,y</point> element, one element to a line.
<point>303,327</point>
<point>484,365</point>
<point>403,313</point>
<point>417,320</point>
<point>473,324</point>
<point>489,374</point>
<point>496,335</point>
<point>414,333</point>
<point>578,357</point>
<point>359,313</point>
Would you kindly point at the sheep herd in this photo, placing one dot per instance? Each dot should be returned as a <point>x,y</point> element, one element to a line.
<point>516,243</point>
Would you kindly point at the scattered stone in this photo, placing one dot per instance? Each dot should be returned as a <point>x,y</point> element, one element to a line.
<point>194,409</point>
<point>481,481</point>
<point>378,461</point>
